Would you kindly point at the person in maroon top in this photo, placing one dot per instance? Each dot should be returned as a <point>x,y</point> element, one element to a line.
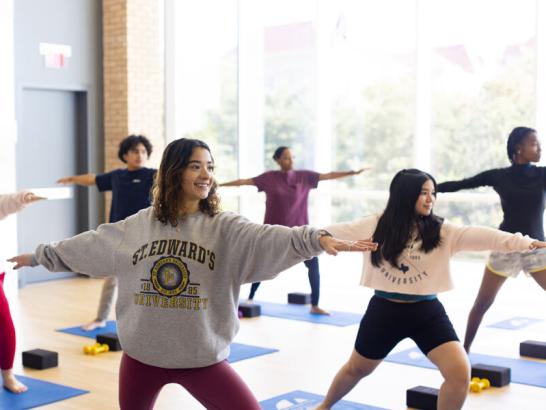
<point>287,193</point>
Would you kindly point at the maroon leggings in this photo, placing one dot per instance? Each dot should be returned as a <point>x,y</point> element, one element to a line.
<point>216,387</point>
<point>7,331</point>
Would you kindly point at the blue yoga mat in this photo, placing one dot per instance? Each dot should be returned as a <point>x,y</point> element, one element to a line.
<point>239,351</point>
<point>515,323</point>
<point>302,400</point>
<point>77,330</point>
<point>301,312</point>
<point>524,371</point>
<point>39,393</point>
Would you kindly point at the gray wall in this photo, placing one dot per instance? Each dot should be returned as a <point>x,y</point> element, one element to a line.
<point>71,22</point>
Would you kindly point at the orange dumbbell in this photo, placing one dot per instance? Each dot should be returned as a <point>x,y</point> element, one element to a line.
<point>477,384</point>
<point>96,349</point>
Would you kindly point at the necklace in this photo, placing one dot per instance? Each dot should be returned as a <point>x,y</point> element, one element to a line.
<point>411,245</point>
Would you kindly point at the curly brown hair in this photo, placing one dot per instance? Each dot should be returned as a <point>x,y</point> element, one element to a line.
<point>131,142</point>
<point>167,189</point>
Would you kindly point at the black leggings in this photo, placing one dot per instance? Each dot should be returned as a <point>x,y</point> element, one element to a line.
<point>314,281</point>
<point>386,323</point>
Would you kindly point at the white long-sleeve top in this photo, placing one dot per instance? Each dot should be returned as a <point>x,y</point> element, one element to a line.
<point>11,203</point>
<point>421,273</point>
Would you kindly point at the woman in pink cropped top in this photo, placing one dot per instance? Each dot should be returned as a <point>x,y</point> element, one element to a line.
<point>408,269</point>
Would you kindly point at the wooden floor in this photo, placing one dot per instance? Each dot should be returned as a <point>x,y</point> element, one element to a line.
<point>309,354</point>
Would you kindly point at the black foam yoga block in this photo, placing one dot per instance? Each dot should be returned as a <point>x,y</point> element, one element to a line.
<point>250,309</point>
<point>498,376</point>
<point>533,348</point>
<point>111,339</point>
<point>40,359</point>
<point>299,298</point>
<point>421,397</point>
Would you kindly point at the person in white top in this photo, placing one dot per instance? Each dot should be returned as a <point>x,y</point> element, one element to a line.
<point>408,269</point>
<point>9,204</point>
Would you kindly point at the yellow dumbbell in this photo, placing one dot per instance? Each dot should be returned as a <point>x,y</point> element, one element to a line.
<point>477,384</point>
<point>87,349</point>
<point>96,349</point>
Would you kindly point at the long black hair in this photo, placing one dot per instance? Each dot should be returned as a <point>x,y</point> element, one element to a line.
<point>515,138</point>
<point>396,225</point>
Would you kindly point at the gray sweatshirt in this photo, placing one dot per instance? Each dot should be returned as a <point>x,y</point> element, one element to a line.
<point>179,286</point>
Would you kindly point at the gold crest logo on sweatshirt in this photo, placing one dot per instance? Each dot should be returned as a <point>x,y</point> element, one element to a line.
<point>170,276</point>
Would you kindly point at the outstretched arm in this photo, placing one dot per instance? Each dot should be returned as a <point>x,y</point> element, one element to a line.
<point>83,179</point>
<point>11,203</point>
<point>239,182</point>
<point>537,245</point>
<point>260,252</point>
<point>341,174</point>
<point>31,197</point>
<point>91,253</point>
<point>332,246</point>
<point>479,238</point>
<point>22,261</point>
<point>486,178</point>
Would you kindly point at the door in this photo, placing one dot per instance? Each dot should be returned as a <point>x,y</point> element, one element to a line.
<point>51,144</point>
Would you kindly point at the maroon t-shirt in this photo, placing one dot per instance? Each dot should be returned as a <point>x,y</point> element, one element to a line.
<point>286,196</point>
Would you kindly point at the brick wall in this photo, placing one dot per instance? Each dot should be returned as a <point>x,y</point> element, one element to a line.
<point>133,76</point>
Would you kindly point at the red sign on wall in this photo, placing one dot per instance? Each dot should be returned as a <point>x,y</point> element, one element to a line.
<point>55,55</point>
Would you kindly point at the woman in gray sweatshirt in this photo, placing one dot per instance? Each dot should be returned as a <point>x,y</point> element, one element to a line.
<point>180,265</point>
